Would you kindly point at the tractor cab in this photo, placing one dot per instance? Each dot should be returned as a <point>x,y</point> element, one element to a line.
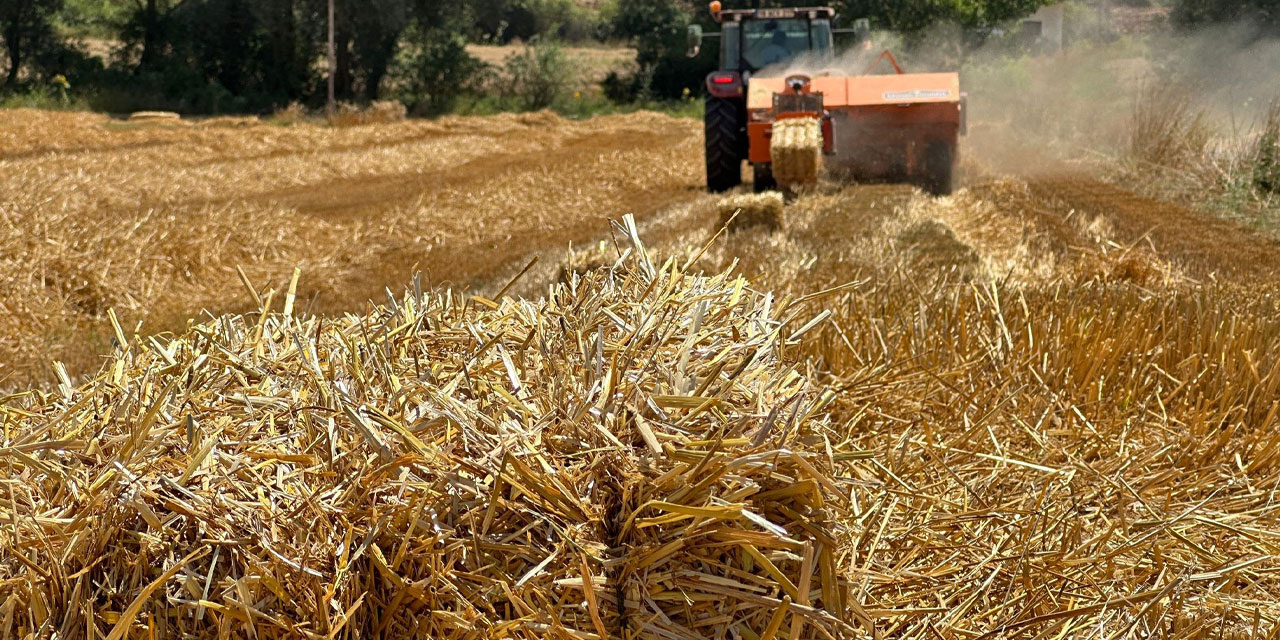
<point>751,42</point>
<point>756,39</point>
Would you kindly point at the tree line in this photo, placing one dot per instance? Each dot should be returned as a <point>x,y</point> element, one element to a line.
<point>256,55</point>
<point>236,55</point>
<point>1261,14</point>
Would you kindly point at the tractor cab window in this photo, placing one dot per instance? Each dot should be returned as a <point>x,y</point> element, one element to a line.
<point>771,42</point>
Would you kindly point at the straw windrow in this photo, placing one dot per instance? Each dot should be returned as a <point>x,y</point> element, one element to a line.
<point>437,468</point>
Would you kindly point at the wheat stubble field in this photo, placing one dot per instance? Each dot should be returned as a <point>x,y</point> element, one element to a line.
<point>152,221</point>
<point>1045,407</point>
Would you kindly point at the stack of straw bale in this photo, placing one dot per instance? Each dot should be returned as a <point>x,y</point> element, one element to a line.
<point>628,458</point>
<point>796,147</point>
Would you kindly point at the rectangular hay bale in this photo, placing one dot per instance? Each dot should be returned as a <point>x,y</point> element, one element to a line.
<point>748,210</point>
<point>797,151</point>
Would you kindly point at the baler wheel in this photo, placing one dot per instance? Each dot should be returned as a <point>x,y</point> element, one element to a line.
<point>726,141</point>
<point>940,169</point>
<point>764,180</point>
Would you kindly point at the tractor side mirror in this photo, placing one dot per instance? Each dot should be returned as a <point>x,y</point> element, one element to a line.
<point>694,41</point>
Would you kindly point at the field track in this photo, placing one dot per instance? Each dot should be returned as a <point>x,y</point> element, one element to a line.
<point>1207,247</point>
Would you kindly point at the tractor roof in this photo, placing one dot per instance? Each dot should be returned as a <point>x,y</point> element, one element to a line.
<point>741,15</point>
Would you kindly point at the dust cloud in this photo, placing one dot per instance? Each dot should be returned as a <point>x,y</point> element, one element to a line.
<point>850,61</point>
<point>1087,101</point>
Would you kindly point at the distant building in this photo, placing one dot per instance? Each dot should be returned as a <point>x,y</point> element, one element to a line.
<point>1044,29</point>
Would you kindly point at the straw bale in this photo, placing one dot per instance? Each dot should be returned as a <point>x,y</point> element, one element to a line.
<point>441,467</point>
<point>153,116</point>
<point>796,147</point>
<point>750,210</point>
<point>382,112</point>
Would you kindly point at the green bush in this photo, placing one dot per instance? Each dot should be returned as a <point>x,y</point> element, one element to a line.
<point>620,88</point>
<point>433,70</point>
<point>539,76</point>
<point>504,21</point>
<point>1261,13</point>
<point>42,96</point>
<point>1266,168</point>
<point>656,28</point>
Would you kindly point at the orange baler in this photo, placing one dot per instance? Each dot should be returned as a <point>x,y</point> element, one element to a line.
<point>889,128</point>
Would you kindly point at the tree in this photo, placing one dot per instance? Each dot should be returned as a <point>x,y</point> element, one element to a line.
<point>371,31</point>
<point>656,29</point>
<point>202,55</point>
<point>432,67</point>
<point>291,45</point>
<point>912,16</point>
<point>1264,14</point>
<point>26,27</point>
<point>152,26</point>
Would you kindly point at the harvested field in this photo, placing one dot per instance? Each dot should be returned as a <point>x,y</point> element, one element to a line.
<point>153,220</point>
<point>592,63</point>
<point>1040,408</point>
<point>1072,413</point>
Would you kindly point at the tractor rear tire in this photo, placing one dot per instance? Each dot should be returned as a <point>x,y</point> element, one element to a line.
<point>764,180</point>
<point>726,140</point>
<point>940,169</point>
